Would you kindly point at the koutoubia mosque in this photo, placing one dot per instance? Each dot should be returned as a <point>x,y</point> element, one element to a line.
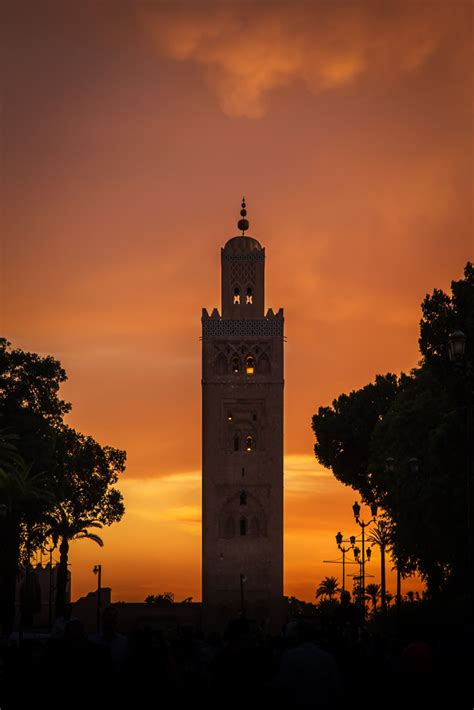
<point>242,442</point>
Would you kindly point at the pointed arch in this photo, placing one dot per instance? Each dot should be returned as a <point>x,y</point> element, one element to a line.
<point>236,365</point>
<point>250,364</point>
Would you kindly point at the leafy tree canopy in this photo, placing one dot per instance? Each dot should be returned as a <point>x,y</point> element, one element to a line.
<point>421,415</point>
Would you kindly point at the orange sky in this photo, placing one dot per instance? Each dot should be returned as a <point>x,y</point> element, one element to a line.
<point>130,131</point>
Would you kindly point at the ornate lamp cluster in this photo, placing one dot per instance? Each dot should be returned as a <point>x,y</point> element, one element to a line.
<point>361,556</point>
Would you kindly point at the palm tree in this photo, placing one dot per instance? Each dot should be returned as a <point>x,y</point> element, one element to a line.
<point>380,536</point>
<point>373,590</point>
<point>328,588</point>
<point>24,496</point>
<point>65,526</point>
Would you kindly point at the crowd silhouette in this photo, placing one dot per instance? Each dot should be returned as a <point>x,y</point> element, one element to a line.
<point>311,663</point>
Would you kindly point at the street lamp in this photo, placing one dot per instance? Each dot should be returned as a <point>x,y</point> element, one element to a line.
<point>457,346</point>
<point>362,524</point>
<point>339,541</point>
<point>457,355</point>
<point>361,562</point>
<point>98,571</point>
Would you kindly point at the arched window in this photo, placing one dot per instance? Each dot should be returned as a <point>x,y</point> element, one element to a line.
<point>235,365</point>
<point>243,526</point>
<point>236,295</point>
<point>229,529</point>
<point>249,295</point>
<point>243,498</point>
<point>248,443</point>
<point>236,443</point>
<point>221,364</point>
<point>250,365</point>
<point>229,416</point>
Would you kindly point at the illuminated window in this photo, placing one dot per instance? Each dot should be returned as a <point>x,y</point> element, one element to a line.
<point>243,526</point>
<point>249,295</point>
<point>229,417</point>
<point>236,443</point>
<point>235,365</point>
<point>250,365</point>
<point>243,498</point>
<point>236,295</point>
<point>248,443</point>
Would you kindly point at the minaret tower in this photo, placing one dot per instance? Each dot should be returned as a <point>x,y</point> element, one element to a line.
<point>242,443</point>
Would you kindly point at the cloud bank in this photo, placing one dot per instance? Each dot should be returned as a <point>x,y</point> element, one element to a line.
<point>246,50</point>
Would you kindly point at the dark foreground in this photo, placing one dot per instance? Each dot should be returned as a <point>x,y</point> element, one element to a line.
<point>309,665</point>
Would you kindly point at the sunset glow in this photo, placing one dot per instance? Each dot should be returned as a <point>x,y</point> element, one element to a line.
<point>130,133</point>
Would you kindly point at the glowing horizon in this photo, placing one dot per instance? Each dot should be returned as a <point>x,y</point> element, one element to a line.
<point>131,133</point>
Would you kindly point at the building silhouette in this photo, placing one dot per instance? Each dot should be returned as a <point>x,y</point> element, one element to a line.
<point>242,443</point>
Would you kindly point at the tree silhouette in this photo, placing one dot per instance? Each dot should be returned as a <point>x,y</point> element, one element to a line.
<point>22,492</point>
<point>373,592</point>
<point>162,600</point>
<point>327,588</point>
<point>381,535</point>
<point>64,527</point>
<point>45,466</point>
<point>422,415</point>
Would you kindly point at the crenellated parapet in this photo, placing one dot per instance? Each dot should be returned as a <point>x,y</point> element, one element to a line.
<point>214,326</point>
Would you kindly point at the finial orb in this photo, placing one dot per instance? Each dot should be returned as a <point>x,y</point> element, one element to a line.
<point>243,224</point>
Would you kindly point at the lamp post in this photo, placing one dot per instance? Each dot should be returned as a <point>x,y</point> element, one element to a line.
<point>339,541</point>
<point>379,537</point>
<point>362,524</point>
<point>362,575</point>
<point>98,571</point>
<point>50,549</point>
<point>457,354</point>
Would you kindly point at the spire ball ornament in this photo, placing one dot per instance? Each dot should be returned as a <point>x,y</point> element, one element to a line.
<point>243,224</point>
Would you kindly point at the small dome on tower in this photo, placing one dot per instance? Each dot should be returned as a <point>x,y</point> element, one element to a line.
<point>242,245</point>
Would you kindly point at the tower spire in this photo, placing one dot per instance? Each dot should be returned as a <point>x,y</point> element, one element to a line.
<point>243,223</point>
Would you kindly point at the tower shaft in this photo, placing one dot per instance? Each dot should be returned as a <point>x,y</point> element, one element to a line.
<point>242,445</point>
